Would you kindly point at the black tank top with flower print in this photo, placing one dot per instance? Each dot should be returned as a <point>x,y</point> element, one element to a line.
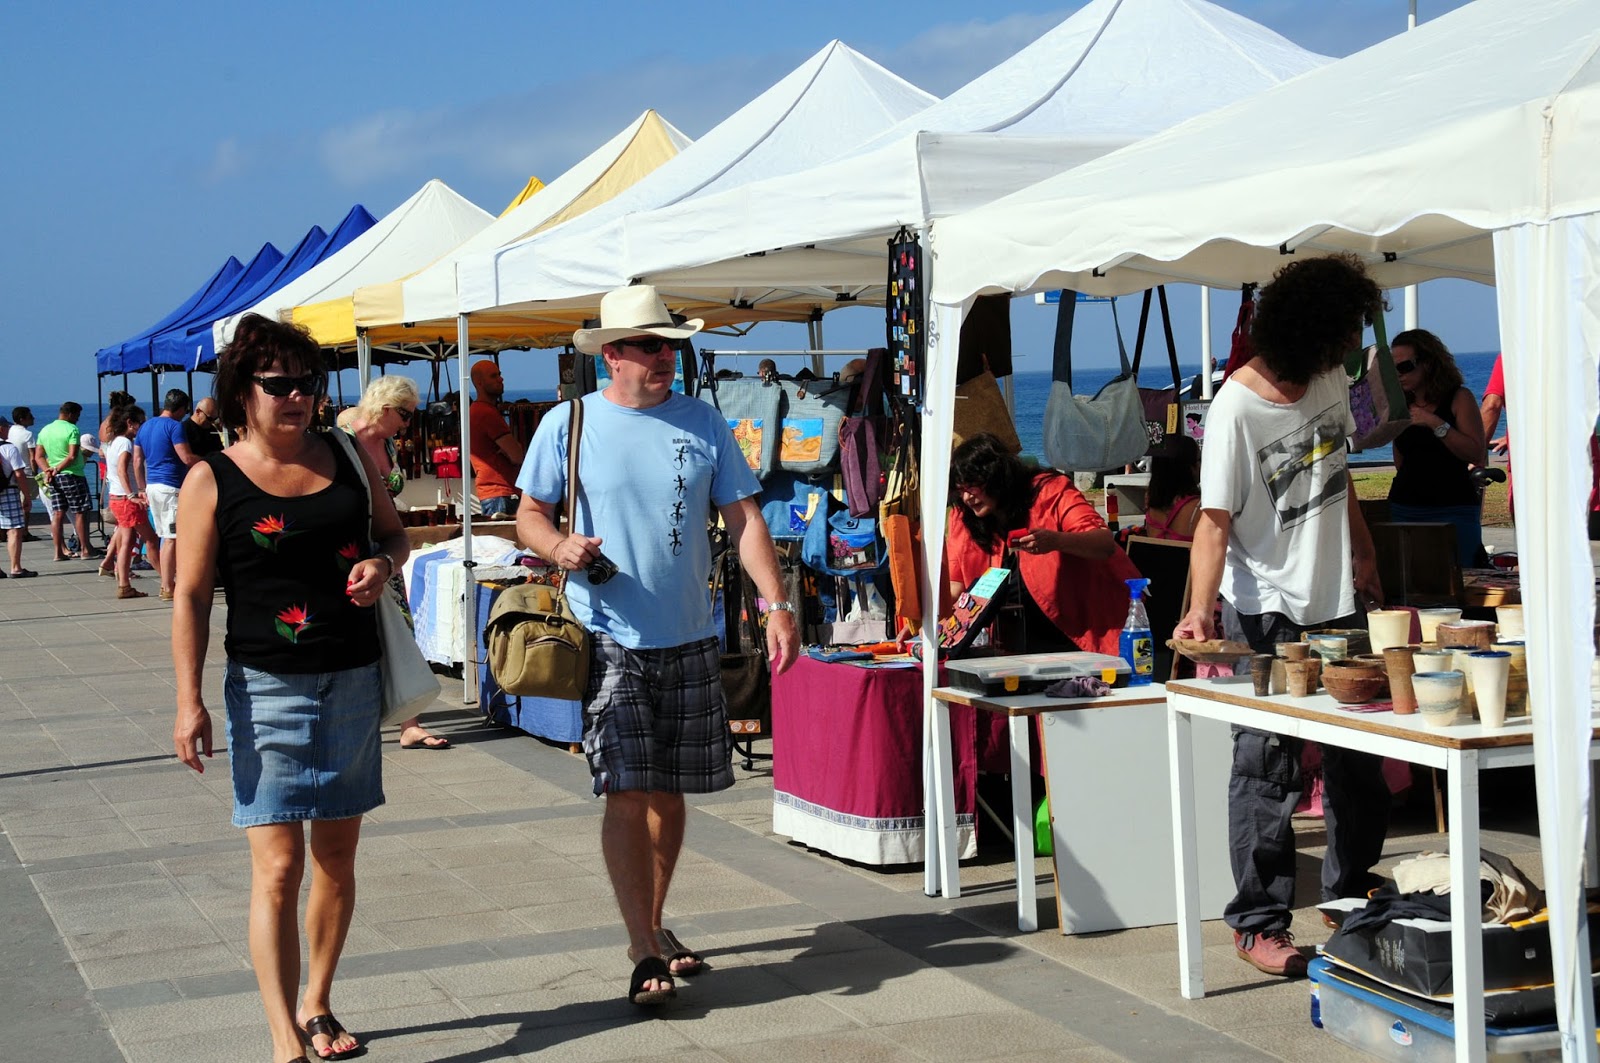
<point>284,564</point>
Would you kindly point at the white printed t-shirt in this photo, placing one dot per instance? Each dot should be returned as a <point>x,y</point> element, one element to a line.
<point>1280,472</point>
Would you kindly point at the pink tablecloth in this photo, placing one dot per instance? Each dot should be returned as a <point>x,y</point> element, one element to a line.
<point>847,761</point>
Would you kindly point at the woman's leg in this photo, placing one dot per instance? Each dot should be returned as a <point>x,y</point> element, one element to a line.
<point>277,864</point>
<point>151,542</point>
<point>113,546</point>
<point>328,912</point>
<point>124,547</point>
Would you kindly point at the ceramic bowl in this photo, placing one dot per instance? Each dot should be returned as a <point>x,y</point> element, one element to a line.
<point>1357,639</point>
<point>1352,682</point>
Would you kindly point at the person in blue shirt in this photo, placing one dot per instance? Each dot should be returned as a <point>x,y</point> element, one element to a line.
<point>161,458</point>
<point>653,467</point>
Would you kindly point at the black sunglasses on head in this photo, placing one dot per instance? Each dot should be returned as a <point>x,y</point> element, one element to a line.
<point>653,345</point>
<point>1406,366</point>
<point>280,387</point>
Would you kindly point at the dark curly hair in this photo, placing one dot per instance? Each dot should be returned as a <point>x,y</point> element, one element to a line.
<point>1441,377</point>
<point>1311,315</point>
<point>124,416</point>
<point>1172,473</point>
<point>984,462</point>
<point>258,344</point>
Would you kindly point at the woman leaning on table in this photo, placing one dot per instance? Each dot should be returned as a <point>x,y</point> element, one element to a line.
<point>385,410</point>
<point>281,517</point>
<point>1434,457</point>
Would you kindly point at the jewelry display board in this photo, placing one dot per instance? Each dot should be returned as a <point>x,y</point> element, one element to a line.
<point>905,324</point>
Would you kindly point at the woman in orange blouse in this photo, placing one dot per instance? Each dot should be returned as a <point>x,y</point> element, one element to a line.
<point>1072,571</point>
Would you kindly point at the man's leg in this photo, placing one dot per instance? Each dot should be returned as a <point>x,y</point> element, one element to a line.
<point>625,840</point>
<point>668,813</point>
<point>1355,810</point>
<point>167,565</point>
<point>80,521</point>
<point>14,548</point>
<point>57,522</point>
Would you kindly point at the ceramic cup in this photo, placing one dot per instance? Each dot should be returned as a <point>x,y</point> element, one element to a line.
<point>1303,676</point>
<point>1475,633</point>
<point>1517,680</point>
<point>1261,673</point>
<point>1490,670</point>
<point>1438,697</point>
<point>1460,661</point>
<point>1432,659</point>
<point>1398,663</point>
<point>1430,619</point>
<point>1389,627</point>
<point>1294,651</point>
<point>1329,647</point>
<point>1510,618</point>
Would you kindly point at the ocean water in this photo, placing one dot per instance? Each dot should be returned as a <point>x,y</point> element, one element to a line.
<point>1032,391</point>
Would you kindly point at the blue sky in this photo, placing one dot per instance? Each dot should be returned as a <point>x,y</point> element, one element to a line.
<point>151,141</point>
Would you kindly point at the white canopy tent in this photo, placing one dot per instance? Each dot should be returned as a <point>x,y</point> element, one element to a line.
<point>827,106</point>
<point>428,224</point>
<point>1114,72</point>
<point>1463,149</point>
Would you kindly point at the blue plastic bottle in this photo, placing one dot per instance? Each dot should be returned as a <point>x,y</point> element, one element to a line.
<point>1137,647</point>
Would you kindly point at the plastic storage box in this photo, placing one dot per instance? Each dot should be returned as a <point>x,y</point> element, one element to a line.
<point>1029,673</point>
<point>1397,1026</point>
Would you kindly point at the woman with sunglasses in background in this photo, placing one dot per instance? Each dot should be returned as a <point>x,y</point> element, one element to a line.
<point>385,410</point>
<point>282,517</point>
<point>1433,458</point>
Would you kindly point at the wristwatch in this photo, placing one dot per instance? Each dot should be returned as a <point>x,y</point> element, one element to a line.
<point>782,607</point>
<point>1441,430</point>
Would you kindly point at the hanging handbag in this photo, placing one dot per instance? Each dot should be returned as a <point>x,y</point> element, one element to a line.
<point>810,416</point>
<point>1091,434</point>
<point>1160,405</point>
<point>859,436</point>
<point>899,515</point>
<point>838,544</point>
<point>408,682</point>
<point>746,675</point>
<point>981,408</point>
<point>787,501</point>
<point>751,407</point>
<point>535,645</point>
<point>1377,401</point>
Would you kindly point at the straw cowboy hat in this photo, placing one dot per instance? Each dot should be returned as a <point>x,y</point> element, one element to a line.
<point>632,311</point>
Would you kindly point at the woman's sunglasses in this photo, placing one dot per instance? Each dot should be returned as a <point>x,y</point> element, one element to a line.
<point>1406,366</point>
<point>405,414</point>
<point>280,387</point>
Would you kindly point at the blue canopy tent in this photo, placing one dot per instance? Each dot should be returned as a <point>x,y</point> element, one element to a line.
<point>138,357</point>
<point>194,347</point>
<point>110,359</point>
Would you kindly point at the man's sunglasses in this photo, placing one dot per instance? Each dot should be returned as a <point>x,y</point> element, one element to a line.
<point>1406,366</point>
<point>405,414</point>
<point>653,345</point>
<point>279,387</point>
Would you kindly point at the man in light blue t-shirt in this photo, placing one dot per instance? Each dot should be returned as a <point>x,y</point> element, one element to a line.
<point>653,465</point>
<point>161,459</point>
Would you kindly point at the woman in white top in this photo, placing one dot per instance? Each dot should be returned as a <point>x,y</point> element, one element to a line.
<point>127,506</point>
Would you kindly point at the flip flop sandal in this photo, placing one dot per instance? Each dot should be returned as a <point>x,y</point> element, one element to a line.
<point>430,742</point>
<point>676,952</point>
<point>328,1027</point>
<point>651,969</point>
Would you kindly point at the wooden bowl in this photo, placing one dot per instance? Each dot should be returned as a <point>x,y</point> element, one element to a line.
<point>1353,682</point>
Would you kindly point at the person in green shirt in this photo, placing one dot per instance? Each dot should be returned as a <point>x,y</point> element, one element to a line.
<point>60,460</point>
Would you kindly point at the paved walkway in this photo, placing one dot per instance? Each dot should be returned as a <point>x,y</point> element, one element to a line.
<point>485,928</point>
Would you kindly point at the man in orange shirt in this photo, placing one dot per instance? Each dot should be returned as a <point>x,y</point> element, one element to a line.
<point>496,454</point>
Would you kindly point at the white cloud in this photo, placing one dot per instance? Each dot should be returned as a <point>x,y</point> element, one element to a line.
<point>229,159</point>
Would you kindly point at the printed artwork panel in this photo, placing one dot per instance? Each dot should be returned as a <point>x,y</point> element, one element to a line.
<point>802,441</point>
<point>748,432</point>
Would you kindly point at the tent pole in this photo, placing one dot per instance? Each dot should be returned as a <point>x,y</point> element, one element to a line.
<point>468,651</point>
<point>1413,309</point>
<point>1205,342</point>
<point>188,383</point>
<point>814,326</point>
<point>363,358</point>
<point>155,391</point>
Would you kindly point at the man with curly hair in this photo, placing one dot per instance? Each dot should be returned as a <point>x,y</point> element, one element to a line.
<point>1281,537</point>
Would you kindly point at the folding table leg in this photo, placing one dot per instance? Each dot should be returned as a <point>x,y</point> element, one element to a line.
<point>1466,914</point>
<point>1022,822</point>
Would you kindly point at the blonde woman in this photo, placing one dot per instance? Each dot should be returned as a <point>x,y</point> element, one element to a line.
<point>385,410</point>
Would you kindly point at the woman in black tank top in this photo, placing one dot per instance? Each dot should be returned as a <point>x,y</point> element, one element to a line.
<point>281,517</point>
<point>1433,458</point>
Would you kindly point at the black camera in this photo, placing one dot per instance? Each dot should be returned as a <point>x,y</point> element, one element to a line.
<point>601,569</point>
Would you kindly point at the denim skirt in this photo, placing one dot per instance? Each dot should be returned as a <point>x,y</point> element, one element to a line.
<point>303,746</point>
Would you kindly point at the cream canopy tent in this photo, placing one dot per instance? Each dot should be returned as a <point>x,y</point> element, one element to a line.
<point>831,103</point>
<point>1112,73</point>
<point>421,308</point>
<point>425,226</point>
<point>1463,149</point>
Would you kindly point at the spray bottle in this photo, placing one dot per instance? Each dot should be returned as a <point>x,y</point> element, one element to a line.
<point>1137,646</point>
